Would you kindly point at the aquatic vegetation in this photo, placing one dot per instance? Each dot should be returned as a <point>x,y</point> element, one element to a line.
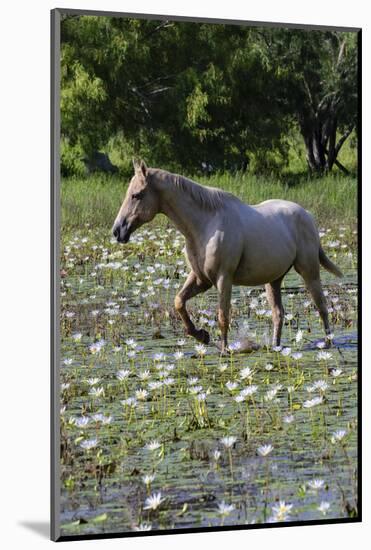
<point>159,433</point>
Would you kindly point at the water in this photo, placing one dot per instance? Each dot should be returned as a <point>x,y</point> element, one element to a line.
<point>111,294</point>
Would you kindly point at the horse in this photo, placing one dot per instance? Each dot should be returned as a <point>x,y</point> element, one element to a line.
<point>229,243</point>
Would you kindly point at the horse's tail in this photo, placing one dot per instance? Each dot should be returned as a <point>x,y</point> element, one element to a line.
<point>328,264</point>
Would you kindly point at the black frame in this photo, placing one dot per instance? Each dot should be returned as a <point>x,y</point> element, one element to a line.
<point>55,273</point>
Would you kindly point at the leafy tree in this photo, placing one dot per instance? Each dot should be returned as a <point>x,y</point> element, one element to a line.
<point>189,94</point>
<point>317,76</point>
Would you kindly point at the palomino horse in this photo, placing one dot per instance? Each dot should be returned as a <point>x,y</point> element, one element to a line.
<point>228,243</point>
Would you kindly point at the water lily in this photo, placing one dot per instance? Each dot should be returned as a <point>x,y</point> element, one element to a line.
<point>153,445</point>
<point>324,507</point>
<point>265,450</point>
<point>338,436</point>
<point>88,444</point>
<point>153,501</point>
<point>313,402</point>
<point>225,509</point>
<point>281,511</point>
<point>316,484</point>
<point>228,441</point>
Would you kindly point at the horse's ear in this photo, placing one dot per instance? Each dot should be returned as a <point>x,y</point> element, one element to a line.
<point>136,165</point>
<point>143,168</point>
<point>140,167</point>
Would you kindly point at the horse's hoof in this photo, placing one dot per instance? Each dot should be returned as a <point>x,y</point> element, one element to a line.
<point>223,352</point>
<point>202,336</point>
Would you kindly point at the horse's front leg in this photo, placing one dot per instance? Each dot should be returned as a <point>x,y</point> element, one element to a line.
<point>274,297</point>
<point>224,286</point>
<point>191,288</point>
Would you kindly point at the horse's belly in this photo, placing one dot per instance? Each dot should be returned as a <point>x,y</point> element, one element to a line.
<point>257,279</point>
<point>267,268</point>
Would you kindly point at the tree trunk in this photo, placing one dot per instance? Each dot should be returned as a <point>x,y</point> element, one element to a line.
<point>315,150</point>
<point>331,139</point>
<point>320,143</point>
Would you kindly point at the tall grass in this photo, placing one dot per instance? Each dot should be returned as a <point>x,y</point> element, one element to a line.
<point>96,200</point>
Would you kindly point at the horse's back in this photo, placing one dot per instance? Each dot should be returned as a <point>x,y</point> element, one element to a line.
<point>275,232</point>
<point>294,216</point>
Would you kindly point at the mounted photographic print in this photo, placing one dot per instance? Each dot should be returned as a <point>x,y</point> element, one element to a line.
<point>205,215</point>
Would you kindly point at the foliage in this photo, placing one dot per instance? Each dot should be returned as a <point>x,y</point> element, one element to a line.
<point>208,97</point>
<point>318,74</point>
<point>72,159</point>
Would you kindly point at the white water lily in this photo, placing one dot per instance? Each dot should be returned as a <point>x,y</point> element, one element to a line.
<point>141,394</point>
<point>235,346</point>
<point>148,479</point>
<point>200,349</point>
<point>231,385</point>
<point>239,398</point>
<point>123,374</point>
<point>338,436</point>
<point>88,444</point>
<point>265,450</point>
<point>216,455</point>
<point>153,445</point>
<point>316,484</point>
<point>144,527</point>
<point>144,375</point>
<point>324,507</point>
<point>281,511</point>
<point>323,356</point>
<point>299,336</point>
<point>249,390</point>
<point>228,441</point>
<point>246,372</point>
<point>313,402</point>
<point>225,509</point>
<point>153,501</point>
<point>81,421</point>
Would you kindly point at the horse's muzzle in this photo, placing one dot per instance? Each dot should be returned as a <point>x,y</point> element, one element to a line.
<point>122,232</point>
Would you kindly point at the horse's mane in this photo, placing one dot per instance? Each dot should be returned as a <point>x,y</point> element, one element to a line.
<point>208,198</point>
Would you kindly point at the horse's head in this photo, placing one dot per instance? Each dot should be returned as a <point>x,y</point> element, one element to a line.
<point>140,205</point>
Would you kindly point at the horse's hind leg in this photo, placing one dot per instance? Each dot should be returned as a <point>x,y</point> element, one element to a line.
<point>313,283</point>
<point>315,288</point>
<point>191,288</point>
<point>224,286</point>
<point>273,291</point>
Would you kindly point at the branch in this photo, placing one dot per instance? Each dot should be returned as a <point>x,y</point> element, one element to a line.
<point>341,53</point>
<point>342,140</point>
<point>162,25</point>
<point>339,165</point>
<point>306,85</point>
<point>159,90</point>
<point>264,37</point>
<point>156,81</point>
<point>324,99</point>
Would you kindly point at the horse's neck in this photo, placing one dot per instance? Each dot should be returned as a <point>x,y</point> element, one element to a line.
<point>186,214</point>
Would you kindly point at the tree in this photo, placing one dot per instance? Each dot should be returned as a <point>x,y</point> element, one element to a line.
<point>317,72</point>
<point>185,94</point>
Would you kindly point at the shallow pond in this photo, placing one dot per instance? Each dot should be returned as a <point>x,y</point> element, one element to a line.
<point>159,433</point>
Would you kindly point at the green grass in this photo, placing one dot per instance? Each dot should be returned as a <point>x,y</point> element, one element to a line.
<point>96,200</point>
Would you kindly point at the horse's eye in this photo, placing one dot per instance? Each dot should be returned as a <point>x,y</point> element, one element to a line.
<point>138,195</point>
